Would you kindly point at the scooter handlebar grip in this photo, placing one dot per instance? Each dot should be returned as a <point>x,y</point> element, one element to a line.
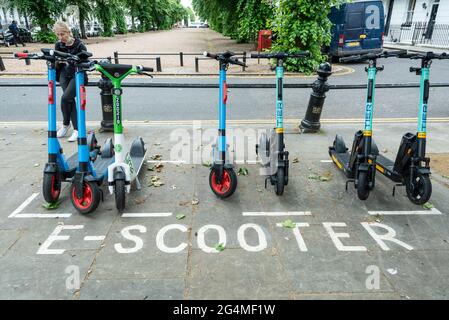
<point>147,69</point>
<point>260,55</point>
<point>21,55</point>
<point>302,54</point>
<point>350,58</point>
<point>209,55</point>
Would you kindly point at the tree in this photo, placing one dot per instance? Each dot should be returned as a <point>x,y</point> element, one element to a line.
<point>303,25</point>
<point>85,7</point>
<point>42,13</point>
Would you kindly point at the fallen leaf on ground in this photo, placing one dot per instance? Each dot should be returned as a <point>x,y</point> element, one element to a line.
<point>243,172</point>
<point>428,206</point>
<point>296,160</point>
<point>288,224</point>
<point>51,206</point>
<point>157,157</point>
<point>195,202</point>
<point>180,216</point>
<point>220,247</point>
<point>207,164</point>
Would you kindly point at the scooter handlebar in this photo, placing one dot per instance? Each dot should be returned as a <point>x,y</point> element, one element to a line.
<point>210,55</point>
<point>146,69</point>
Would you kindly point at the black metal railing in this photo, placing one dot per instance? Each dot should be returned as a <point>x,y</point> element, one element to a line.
<point>419,33</point>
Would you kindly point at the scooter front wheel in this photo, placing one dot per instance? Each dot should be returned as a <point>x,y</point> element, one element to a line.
<point>51,188</point>
<point>280,182</point>
<point>90,199</point>
<point>228,183</point>
<point>120,194</point>
<point>362,186</point>
<point>419,189</point>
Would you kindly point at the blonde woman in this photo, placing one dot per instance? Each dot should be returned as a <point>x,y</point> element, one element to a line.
<point>65,75</point>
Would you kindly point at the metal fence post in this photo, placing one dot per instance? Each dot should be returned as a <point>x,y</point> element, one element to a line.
<point>197,68</point>
<point>311,122</point>
<point>158,64</point>
<point>27,61</point>
<point>244,61</point>
<point>2,65</point>
<point>181,59</point>
<point>116,57</point>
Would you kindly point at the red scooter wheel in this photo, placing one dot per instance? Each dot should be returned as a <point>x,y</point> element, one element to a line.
<point>228,183</point>
<point>90,199</point>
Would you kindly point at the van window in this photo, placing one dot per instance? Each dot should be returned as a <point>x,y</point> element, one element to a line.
<point>354,20</point>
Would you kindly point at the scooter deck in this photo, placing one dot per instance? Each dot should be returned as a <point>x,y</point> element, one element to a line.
<point>72,161</point>
<point>386,167</point>
<point>137,162</point>
<point>101,166</point>
<point>341,159</point>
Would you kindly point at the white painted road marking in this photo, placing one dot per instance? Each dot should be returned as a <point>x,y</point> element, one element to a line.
<point>326,161</point>
<point>94,238</point>
<point>146,215</point>
<point>432,211</point>
<point>277,214</point>
<point>17,213</point>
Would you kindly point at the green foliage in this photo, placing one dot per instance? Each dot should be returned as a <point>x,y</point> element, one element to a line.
<point>104,10</point>
<point>303,25</point>
<point>120,21</point>
<point>238,19</point>
<point>42,12</point>
<point>46,36</point>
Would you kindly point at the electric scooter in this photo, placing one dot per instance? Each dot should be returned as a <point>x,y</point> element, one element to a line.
<point>222,177</point>
<point>93,161</point>
<point>128,161</point>
<point>359,164</point>
<point>271,146</point>
<point>58,169</point>
<point>411,166</point>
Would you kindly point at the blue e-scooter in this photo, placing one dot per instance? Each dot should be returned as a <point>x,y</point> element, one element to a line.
<point>222,177</point>
<point>271,146</point>
<point>58,169</point>
<point>93,161</point>
<point>411,167</point>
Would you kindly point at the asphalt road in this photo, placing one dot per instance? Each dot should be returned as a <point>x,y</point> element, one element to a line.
<point>29,104</point>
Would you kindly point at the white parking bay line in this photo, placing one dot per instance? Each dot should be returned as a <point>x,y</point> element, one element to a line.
<point>146,215</point>
<point>277,214</point>
<point>94,238</point>
<point>432,211</point>
<point>17,213</point>
<point>326,161</point>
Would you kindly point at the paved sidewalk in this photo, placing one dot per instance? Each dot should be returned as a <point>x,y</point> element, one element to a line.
<point>336,252</point>
<point>414,48</point>
<point>186,40</point>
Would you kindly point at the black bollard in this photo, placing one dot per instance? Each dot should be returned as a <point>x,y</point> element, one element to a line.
<point>107,124</point>
<point>311,122</point>
<point>2,65</point>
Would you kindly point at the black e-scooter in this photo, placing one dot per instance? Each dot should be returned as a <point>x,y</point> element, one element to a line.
<point>271,146</point>
<point>359,164</point>
<point>411,166</point>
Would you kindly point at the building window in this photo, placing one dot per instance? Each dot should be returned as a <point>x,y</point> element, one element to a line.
<point>410,11</point>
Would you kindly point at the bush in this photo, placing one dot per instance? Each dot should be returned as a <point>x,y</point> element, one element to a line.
<point>46,36</point>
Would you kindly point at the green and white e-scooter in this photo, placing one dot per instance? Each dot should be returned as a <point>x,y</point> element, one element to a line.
<point>271,146</point>
<point>128,161</point>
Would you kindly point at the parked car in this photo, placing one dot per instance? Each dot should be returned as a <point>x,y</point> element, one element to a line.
<point>3,41</point>
<point>93,31</point>
<point>358,28</point>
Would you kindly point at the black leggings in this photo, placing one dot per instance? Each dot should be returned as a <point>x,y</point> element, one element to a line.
<point>68,104</point>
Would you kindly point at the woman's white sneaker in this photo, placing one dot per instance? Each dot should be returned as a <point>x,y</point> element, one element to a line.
<point>73,137</point>
<point>62,132</point>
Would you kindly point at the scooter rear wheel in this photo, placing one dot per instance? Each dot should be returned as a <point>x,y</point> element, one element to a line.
<point>51,188</point>
<point>90,199</point>
<point>280,182</point>
<point>120,194</point>
<point>362,186</point>
<point>420,189</point>
<point>228,183</point>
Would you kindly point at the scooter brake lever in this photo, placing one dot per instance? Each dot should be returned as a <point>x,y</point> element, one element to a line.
<point>147,74</point>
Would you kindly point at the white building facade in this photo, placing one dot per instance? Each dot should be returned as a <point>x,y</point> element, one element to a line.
<point>417,22</point>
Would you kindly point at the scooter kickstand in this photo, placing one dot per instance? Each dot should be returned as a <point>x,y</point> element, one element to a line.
<point>266,179</point>
<point>394,188</point>
<point>138,185</point>
<point>347,182</point>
